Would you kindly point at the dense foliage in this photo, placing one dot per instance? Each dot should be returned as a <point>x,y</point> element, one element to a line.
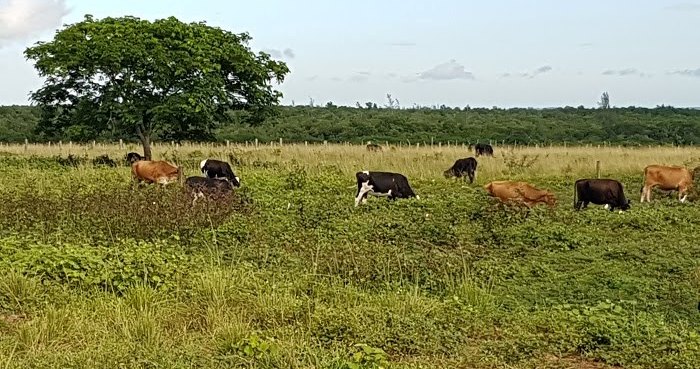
<point>140,78</point>
<point>628,126</point>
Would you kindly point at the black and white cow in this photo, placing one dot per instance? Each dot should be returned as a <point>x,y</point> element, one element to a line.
<point>382,184</point>
<point>217,169</point>
<point>608,192</point>
<point>200,187</point>
<point>462,167</point>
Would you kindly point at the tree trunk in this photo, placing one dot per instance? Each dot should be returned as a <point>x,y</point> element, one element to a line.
<point>146,148</point>
<point>146,142</point>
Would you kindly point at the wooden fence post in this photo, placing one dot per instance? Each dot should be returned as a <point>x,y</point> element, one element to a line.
<point>26,145</point>
<point>597,168</point>
<point>256,142</point>
<point>280,141</point>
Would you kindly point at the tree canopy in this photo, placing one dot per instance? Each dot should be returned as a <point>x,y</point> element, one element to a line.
<point>137,78</point>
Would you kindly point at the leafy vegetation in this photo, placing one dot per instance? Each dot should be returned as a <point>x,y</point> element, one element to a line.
<point>620,126</point>
<point>133,77</point>
<point>96,272</point>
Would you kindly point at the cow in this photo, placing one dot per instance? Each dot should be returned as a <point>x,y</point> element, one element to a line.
<point>608,192</point>
<point>667,178</point>
<point>382,184</point>
<point>217,169</point>
<point>133,157</point>
<point>200,187</point>
<point>155,172</point>
<point>461,167</point>
<point>373,147</point>
<point>520,193</point>
<point>483,149</point>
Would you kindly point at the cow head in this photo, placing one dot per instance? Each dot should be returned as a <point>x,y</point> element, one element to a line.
<point>549,199</point>
<point>133,157</point>
<point>625,205</point>
<point>449,173</point>
<point>235,181</point>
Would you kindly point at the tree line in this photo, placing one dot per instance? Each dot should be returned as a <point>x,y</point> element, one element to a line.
<point>624,126</point>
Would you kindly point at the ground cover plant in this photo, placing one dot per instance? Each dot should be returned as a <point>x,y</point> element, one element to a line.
<point>98,272</point>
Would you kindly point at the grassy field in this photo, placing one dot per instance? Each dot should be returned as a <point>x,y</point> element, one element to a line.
<point>96,273</point>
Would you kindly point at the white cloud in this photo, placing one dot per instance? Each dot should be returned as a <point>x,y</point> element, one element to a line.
<point>23,19</point>
<point>541,70</point>
<point>687,72</point>
<point>279,54</point>
<point>446,71</point>
<point>624,72</point>
<point>289,53</point>
<point>359,77</point>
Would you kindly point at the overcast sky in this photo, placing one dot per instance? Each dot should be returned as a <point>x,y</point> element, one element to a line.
<point>506,53</point>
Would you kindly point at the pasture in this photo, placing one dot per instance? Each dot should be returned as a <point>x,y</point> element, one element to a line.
<point>95,272</point>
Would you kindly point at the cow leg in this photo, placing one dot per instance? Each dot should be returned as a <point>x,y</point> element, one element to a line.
<point>471,177</point>
<point>362,190</point>
<point>585,204</point>
<point>644,192</point>
<point>578,205</point>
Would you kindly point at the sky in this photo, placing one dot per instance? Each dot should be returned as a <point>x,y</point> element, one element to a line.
<point>505,53</point>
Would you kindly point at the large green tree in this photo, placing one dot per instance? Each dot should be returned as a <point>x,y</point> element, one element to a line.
<point>143,79</point>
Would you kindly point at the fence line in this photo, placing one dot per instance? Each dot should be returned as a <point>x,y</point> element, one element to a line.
<point>256,143</point>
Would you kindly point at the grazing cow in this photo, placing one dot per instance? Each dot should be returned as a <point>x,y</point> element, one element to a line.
<point>155,172</point>
<point>382,184</point>
<point>218,169</point>
<point>520,192</point>
<point>373,147</point>
<point>133,157</point>
<point>608,192</point>
<point>200,187</point>
<point>667,178</point>
<point>483,149</point>
<point>461,167</point>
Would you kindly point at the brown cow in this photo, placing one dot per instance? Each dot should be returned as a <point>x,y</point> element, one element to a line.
<point>667,178</point>
<point>155,172</point>
<point>520,192</point>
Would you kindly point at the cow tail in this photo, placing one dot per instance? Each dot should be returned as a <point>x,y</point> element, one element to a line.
<point>575,195</point>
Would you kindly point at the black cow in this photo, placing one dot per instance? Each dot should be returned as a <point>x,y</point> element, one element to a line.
<point>218,169</point>
<point>461,167</point>
<point>600,191</point>
<point>133,157</point>
<point>200,187</point>
<point>483,149</point>
<point>382,184</point>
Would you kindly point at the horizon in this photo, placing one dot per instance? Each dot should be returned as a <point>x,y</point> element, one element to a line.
<point>507,55</point>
